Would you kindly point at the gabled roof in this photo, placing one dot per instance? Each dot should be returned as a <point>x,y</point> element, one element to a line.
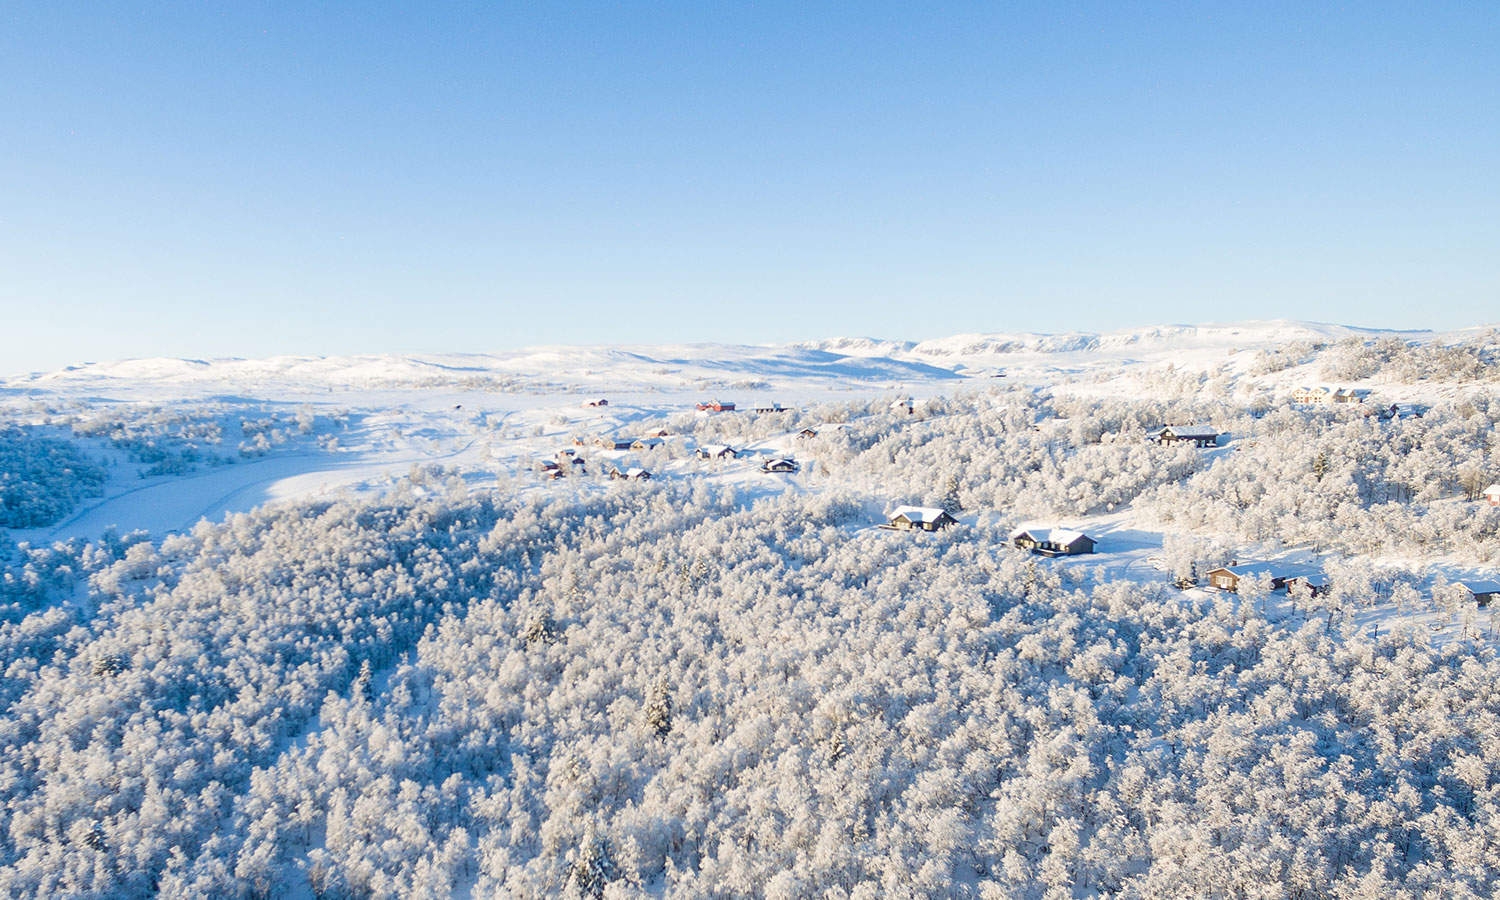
<point>1257,568</point>
<point>1480,587</point>
<point>1190,431</point>
<point>1492,489</point>
<point>635,472</point>
<point>919,513</point>
<point>1060,536</point>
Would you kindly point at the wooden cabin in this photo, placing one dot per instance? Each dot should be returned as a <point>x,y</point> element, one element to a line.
<point>634,473</point>
<point>597,401</point>
<point>919,518</point>
<point>781,466</point>
<point>807,433</point>
<point>610,443</point>
<point>715,406</point>
<point>1492,494</point>
<point>1311,395</point>
<point>646,444</point>
<point>1227,578</point>
<point>771,408</point>
<point>717,451</point>
<point>1053,541</point>
<point>1199,435</point>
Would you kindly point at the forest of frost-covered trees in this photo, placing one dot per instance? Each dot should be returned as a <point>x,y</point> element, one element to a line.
<point>657,692</point>
<point>686,688</point>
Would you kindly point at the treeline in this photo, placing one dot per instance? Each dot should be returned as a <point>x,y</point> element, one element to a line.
<point>42,478</point>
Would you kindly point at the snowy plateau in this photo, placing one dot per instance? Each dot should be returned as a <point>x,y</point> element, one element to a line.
<point>643,621</point>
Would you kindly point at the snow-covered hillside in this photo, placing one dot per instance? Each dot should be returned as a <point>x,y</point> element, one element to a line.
<point>395,626</point>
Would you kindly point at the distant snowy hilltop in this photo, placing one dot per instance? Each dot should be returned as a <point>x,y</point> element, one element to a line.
<point>870,360</point>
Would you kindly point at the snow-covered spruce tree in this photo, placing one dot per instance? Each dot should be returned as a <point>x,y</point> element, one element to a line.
<point>659,709</point>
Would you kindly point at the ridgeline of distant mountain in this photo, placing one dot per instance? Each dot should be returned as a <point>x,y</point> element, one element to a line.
<point>830,361</point>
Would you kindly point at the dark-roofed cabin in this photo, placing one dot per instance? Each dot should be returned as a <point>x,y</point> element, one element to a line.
<point>715,451</point>
<point>781,466</point>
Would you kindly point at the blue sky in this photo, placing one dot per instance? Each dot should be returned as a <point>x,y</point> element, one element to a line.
<point>210,179</point>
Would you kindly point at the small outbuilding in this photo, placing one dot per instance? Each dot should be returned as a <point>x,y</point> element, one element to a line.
<point>1492,494</point>
<point>597,401</point>
<point>919,518</point>
<point>1053,541</point>
<point>1317,585</point>
<point>1483,591</point>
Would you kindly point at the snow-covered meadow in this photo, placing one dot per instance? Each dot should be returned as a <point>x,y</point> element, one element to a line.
<point>334,628</point>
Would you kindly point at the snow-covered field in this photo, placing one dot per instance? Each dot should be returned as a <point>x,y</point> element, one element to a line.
<point>334,619</point>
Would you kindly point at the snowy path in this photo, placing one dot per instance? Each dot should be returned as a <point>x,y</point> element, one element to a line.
<point>177,503</point>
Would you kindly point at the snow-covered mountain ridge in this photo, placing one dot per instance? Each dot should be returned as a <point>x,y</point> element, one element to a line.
<point>833,359</point>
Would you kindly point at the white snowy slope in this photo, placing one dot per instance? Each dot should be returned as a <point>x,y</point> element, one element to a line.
<point>504,410</point>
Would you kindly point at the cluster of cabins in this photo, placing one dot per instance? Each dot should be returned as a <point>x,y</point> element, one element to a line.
<point>1312,396</point>
<point>1229,578</point>
<point>569,461</point>
<point>719,406</point>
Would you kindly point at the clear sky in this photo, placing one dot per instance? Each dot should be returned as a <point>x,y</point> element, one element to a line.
<point>248,179</point>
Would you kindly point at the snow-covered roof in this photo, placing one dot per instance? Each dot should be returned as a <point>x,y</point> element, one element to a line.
<point>1060,536</point>
<point>918,513</point>
<point>1257,568</point>
<point>1492,489</point>
<point>1482,587</point>
<point>634,472</point>
<point>1190,431</point>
